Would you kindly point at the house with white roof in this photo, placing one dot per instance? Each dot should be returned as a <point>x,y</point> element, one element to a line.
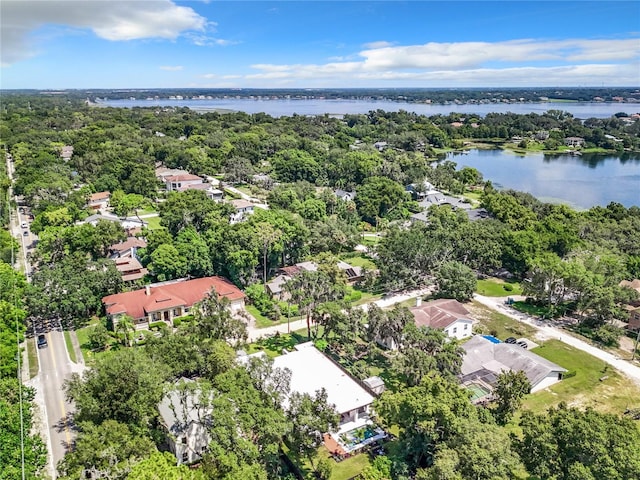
<point>176,183</point>
<point>312,371</point>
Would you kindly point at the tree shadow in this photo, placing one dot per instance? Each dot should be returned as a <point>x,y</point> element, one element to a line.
<point>66,423</point>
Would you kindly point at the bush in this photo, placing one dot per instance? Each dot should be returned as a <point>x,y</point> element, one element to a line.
<point>288,309</point>
<point>157,325</point>
<point>177,322</point>
<point>508,287</point>
<point>607,335</point>
<point>353,296</point>
<point>569,374</point>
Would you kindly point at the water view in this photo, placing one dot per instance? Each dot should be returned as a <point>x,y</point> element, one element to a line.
<point>580,181</point>
<point>279,108</point>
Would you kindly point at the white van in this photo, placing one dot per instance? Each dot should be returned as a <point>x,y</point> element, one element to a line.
<point>25,225</point>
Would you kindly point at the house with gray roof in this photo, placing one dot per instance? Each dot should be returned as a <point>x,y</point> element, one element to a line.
<point>485,359</point>
<point>186,418</point>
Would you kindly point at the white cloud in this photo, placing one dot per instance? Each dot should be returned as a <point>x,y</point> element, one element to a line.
<point>110,20</point>
<point>172,68</point>
<point>515,62</point>
<point>379,44</point>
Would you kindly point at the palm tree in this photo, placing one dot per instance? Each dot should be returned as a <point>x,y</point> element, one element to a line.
<point>126,327</point>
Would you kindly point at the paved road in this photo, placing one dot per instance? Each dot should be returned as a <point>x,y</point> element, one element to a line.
<point>55,368</point>
<point>547,331</point>
<point>257,333</point>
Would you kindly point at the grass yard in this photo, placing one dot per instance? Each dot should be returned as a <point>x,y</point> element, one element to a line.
<point>153,223</point>
<point>85,347</point>
<point>274,345</point>
<point>69,345</point>
<point>359,260</point>
<point>343,470</point>
<point>370,241</point>
<point>495,287</point>
<point>498,324</point>
<point>145,211</point>
<point>32,355</point>
<point>613,394</point>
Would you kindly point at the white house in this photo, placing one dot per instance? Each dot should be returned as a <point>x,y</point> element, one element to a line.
<point>243,208</point>
<point>186,419</point>
<point>99,201</point>
<point>444,314</point>
<point>312,371</point>
<point>128,223</point>
<point>176,183</point>
<point>486,359</point>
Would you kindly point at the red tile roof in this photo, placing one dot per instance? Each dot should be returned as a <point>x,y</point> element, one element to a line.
<point>182,178</point>
<point>186,293</point>
<point>439,313</point>
<point>129,243</point>
<point>99,196</point>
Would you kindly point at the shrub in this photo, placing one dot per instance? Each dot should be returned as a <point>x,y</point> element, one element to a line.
<point>569,374</point>
<point>508,287</point>
<point>177,322</point>
<point>157,325</point>
<point>607,335</point>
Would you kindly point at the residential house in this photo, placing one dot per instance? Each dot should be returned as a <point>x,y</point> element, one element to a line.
<point>376,384</point>
<point>212,192</point>
<point>128,248</point>
<point>128,223</point>
<point>484,360</point>
<point>633,308</point>
<point>574,141</point>
<point>130,268</point>
<point>99,201</point>
<point>312,371</point>
<point>163,172</point>
<point>169,300</point>
<point>275,287</point>
<point>353,274</point>
<point>381,146</point>
<point>66,152</point>
<point>177,183</point>
<point>477,214</point>
<point>186,419</point>
<point>345,195</point>
<point>419,191</point>
<point>243,208</point>
<point>444,314</point>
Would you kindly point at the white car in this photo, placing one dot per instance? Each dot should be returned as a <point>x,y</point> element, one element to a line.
<point>25,225</point>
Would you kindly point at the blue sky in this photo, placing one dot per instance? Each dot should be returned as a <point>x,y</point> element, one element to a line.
<point>265,44</point>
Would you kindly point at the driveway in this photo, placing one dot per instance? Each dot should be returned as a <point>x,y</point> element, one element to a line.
<point>545,331</point>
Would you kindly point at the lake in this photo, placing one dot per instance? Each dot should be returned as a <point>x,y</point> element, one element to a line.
<point>283,107</point>
<point>580,181</point>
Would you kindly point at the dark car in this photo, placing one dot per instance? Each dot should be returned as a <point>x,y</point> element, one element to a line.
<point>510,340</point>
<point>25,233</point>
<point>42,341</point>
<point>523,344</point>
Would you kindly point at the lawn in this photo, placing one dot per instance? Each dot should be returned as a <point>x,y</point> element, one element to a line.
<point>495,287</point>
<point>145,211</point>
<point>498,324</point>
<point>613,394</point>
<point>359,260</point>
<point>370,241</point>
<point>153,223</point>
<point>274,345</point>
<point>69,344</point>
<point>85,347</point>
<point>32,355</point>
<point>343,470</point>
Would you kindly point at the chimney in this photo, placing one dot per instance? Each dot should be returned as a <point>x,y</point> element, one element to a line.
<point>147,289</point>
<point>418,301</point>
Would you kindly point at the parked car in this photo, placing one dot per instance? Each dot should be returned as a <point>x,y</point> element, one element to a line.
<point>510,340</point>
<point>523,344</point>
<point>25,225</point>
<point>25,233</point>
<point>42,341</point>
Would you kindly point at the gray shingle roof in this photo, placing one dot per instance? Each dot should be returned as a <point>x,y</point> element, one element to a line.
<point>496,357</point>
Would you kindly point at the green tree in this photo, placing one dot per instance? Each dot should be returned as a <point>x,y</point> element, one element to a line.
<point>167,263</point>
<point>510,389</point>
<point>126,387</point>
<point>162,466</point>
<point>455,280</point>
<point>213,319</point>
<point>310,417</point>
<point>293,165</point>
<point>377,197</point>
<point>99,337</point>
<point>107,450</point>
<point>565,443</point>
